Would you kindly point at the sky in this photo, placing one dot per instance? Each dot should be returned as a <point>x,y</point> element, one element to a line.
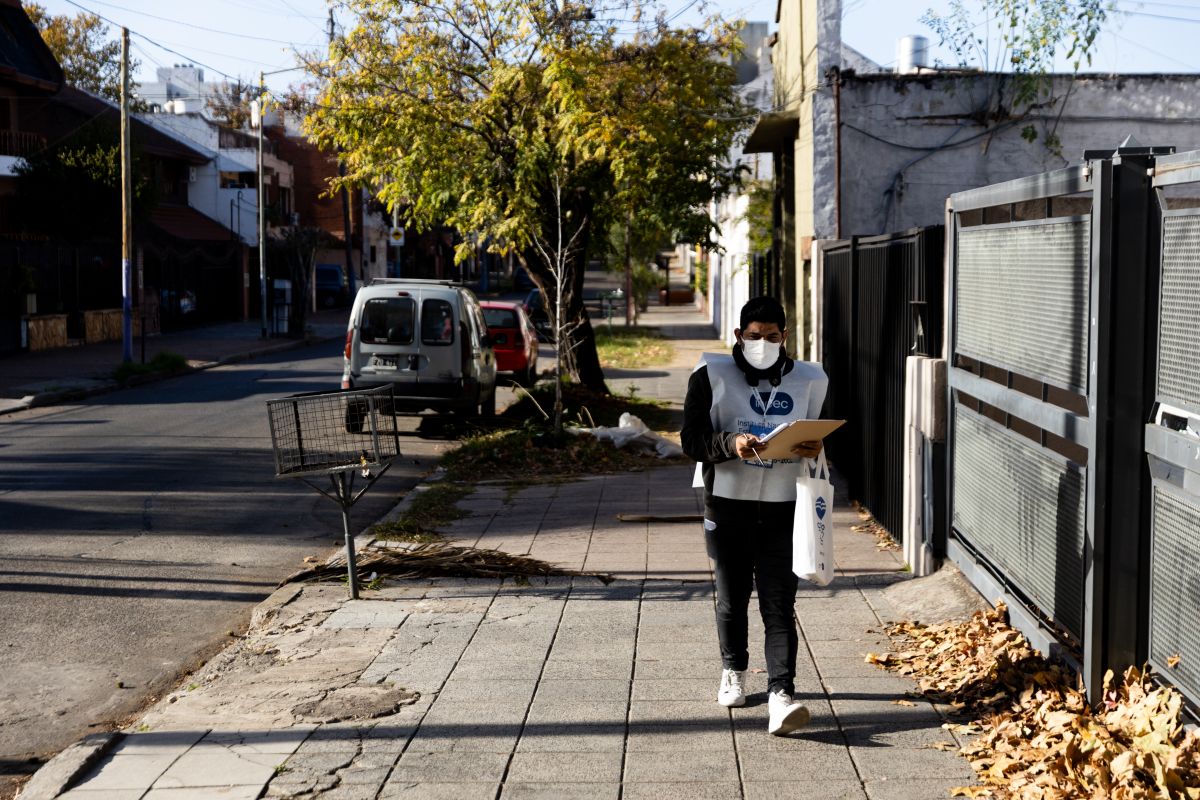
<point>238,38</point>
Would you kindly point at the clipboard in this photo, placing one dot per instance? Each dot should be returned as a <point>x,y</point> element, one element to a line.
<point>781,440</point>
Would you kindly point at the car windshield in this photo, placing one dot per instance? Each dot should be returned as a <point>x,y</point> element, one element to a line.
<point>500,317</point>
<point>437,322</point>
<point>388,320</point>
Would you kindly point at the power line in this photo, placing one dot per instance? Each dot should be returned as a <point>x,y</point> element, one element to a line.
<point>189,24</point>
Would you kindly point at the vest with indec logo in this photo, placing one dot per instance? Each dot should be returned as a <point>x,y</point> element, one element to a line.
<point>741,408</point>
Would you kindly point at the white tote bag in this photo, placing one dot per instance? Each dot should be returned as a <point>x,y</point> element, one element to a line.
<point>812,532</point>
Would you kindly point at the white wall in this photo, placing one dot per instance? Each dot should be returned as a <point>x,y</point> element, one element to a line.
<point>909,142</point>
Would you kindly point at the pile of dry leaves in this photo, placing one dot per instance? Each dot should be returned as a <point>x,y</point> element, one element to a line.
<point>1037,737</point>
<point>871,526</point>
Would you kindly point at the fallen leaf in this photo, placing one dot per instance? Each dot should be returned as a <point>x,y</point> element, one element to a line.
<point>970,791</point>
<point>945,746</point>
<point>1173,661</point>
<point>903,703</point>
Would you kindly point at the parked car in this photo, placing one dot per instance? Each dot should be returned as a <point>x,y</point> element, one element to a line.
<point>428,340</point>
<point>514,339</point>
<point>535,306</point>
<point>331,285</point>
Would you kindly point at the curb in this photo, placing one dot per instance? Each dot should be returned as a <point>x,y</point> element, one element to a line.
<point>59,772</point>
<point>54,398</point>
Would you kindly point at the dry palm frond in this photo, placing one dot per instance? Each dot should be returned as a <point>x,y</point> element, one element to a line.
<point>436,559</point>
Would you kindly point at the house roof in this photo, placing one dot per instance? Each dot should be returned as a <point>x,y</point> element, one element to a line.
<point>24,57</point>
<point>185,222</point>
<point>149,139</point>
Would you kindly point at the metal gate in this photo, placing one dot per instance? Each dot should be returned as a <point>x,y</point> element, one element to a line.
<point>1050,348</point>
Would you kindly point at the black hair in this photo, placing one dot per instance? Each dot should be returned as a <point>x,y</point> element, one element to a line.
<point>763,309</point>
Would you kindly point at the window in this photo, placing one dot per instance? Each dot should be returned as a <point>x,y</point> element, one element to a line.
<point>388,320</point>
<point>437,322</point>
<point>500,317</point>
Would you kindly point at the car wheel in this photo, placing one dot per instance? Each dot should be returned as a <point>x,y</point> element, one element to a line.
<point>356,413</point>
<point>488,407</point>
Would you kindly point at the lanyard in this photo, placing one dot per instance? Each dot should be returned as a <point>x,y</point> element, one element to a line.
<point>770,401</point>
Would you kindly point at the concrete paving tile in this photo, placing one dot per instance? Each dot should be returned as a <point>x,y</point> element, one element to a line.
<point>801,766</point>
<point>882,686</point>
<point>678,712</point>
<point>104,794</point>
<point>708,667</point>
<point>500,670</point>
<point>589,650</point>
<point>903,736</point>
<point>846,667</point>
<point>581,711</point>
<point>129,771</point>
<point>369,614</point>
<point>566,767</point>
<point>353,791</point>
<point>689,689</point>
<point>885,712</point>
<point>913,788</point>
<point>558,791</point>
<point>158,742</point>
<point>586,670</point>
<point>573,738</point>
<point>649,738</point>
<point>476,690</point>
<point>878,763</point>
<point>365,776</point>
<point>806,790</point>
<point>848,648</point>
<point>568,691</point>
<point>205,793</point>
<point>213,765</point>
<point>416,767</point>
<point>418,790</point>
<point>283,741</point>
<point>682,766</point>
<point>505,651</point>
<point>682,791</point>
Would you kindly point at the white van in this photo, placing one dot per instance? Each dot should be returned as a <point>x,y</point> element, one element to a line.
<point>428,340</point>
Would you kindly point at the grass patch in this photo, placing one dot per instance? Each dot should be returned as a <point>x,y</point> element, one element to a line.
<point>430,509</point>
<point>632,348</point>
<point>162,362</point>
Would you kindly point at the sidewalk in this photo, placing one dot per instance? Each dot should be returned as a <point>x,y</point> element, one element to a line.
<point>48,376</point>
<point>563,688</point>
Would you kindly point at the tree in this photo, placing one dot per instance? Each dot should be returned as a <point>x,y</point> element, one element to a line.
<point>89,58</point>
<point>297,249</point>
<point>230,103</point>
<point>534,126</point>
<point>1024,38</point>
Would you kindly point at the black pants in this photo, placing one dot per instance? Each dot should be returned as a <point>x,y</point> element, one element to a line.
<point>751,548</point>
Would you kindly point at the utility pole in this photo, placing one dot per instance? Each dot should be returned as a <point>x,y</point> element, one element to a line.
<point>262,206</point>
<point>345,201</point>
<point>126,209</point>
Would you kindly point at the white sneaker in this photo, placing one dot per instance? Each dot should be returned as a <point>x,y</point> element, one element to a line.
<point>786,715</point>
<point>731,694</point>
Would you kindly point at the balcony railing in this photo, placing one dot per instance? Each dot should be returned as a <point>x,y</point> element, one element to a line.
<point>20,143</point>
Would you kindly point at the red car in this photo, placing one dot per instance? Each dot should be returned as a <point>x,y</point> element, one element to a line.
<point>514,339</point>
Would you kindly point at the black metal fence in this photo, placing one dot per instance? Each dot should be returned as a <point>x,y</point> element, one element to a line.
<point>882,302</point>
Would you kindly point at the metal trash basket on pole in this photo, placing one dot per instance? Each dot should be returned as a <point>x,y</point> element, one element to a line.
<point>338,434</point>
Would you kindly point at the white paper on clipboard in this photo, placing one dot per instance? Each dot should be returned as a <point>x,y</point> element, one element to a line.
<point>782,439</point>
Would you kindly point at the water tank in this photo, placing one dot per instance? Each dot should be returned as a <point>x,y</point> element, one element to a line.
<point>912,53</point>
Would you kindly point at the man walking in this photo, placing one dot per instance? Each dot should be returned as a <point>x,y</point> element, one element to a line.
<point>749,504</point>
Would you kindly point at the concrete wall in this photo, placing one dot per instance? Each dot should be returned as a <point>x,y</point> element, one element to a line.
<point>909,142</point>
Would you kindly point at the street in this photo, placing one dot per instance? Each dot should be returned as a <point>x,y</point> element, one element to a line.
<point>139,530</point>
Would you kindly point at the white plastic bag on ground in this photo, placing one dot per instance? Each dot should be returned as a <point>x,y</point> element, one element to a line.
<point>632,432</point>
<point>812,532</point>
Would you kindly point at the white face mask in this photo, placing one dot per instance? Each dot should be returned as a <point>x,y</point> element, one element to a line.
<point>760,353</point>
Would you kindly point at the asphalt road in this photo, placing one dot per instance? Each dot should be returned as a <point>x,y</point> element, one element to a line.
<point>138,529</point>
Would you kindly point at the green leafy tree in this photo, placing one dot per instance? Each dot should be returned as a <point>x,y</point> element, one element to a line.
<point>89,57</point>
<point>535,126</point>
<point>1024,38</point>
<point>230,103</point>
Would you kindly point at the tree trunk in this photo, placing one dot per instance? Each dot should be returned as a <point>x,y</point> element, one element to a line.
<point>580,358</point>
